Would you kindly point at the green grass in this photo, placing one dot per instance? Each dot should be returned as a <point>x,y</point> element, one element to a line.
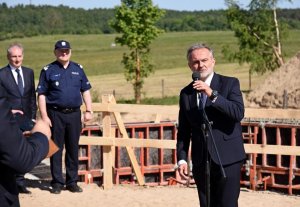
<point>102,64</point>
<point>98,57</point>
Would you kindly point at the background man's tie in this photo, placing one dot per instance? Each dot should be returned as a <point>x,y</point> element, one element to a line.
<point>20,82</point>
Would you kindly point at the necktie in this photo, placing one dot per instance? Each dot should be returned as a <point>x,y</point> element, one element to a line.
<point>202,100</point>
<point>20,82</point>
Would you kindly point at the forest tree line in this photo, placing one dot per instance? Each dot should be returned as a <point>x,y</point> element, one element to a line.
<point>30,20</point>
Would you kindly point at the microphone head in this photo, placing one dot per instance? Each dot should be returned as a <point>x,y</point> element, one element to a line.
<point>196,75</point>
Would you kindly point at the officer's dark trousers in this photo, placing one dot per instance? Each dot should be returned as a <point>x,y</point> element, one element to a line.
<point>223,192</point>
<point>20,179</point>
<point>66,128</point>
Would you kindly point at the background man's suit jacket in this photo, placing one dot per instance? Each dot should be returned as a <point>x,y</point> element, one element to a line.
<point>27,102</point>
<point>225,115</point>
<point>17,153</point>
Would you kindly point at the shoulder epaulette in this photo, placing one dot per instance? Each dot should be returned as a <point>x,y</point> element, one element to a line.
<point>80,66</point>
<point>46,67</point>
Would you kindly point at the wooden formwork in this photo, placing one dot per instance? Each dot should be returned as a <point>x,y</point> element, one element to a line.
<point>156,164</point>
<point>260,170</point>
<point>272,170</point>
<point>90,157</point>
<point>139,167</point>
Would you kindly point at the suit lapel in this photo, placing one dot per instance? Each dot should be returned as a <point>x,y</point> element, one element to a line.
<point>216,83</point>
<point>192,96</point>
<point>10,77</point>
<point>11,80</point>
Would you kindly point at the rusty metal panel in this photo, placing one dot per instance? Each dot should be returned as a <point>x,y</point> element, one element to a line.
<point>280,172</point>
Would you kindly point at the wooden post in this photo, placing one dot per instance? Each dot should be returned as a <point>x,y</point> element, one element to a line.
<point>162,88</point>
<point>285,99</point>
<point>107,150</point>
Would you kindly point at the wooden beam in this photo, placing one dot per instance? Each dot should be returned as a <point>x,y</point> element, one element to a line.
<point>272,113</point>
<point>134,162</point>
<point>272,149</point>
<point>127,142</point>
<point>135,108</point>
<point>171,144</point>
<point>173,110</point>
<point>107,150</point>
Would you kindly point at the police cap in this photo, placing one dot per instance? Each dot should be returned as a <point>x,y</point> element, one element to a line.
<point>62,44</point>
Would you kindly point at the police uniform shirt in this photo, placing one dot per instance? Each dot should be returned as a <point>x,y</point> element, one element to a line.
<point>63,87</point>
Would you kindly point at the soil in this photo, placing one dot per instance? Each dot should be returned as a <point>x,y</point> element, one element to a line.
<point>140,196</point>
<point>281,89</point>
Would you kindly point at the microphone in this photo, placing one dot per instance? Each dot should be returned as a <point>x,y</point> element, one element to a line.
<point>196,75</point>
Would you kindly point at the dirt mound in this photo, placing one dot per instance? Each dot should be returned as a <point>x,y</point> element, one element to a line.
<point>285,80</point>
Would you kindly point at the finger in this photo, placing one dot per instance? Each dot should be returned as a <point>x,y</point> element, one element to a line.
<point>185,171</point>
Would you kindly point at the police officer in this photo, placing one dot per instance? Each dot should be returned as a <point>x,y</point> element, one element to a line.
<point>62,86</point>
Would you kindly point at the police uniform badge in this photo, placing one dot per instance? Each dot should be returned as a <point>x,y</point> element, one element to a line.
<point>46,67</point>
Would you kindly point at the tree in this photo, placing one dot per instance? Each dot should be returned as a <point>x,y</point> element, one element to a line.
<point>136,20</point>
<point>259,35</point>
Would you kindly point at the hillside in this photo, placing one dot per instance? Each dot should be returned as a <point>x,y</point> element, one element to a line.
<point>270,93</point>
<point>30,20</point>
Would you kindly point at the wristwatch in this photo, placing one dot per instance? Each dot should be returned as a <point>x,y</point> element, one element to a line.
<point>214,96</point>
<point>87,111</point>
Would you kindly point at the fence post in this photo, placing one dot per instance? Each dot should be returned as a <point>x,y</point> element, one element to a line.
<point>107,150</point>
<point>163,88</point>
<point>285,100</point>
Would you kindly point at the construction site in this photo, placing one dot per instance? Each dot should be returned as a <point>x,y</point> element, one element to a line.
<point>270,133</point>
<point>135,145</point>
<point>143,153</point>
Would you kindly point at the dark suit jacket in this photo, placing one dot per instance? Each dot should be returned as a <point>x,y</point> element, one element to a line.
<point>17,153</point>
<point>27,102</point>
<point>225,115</point>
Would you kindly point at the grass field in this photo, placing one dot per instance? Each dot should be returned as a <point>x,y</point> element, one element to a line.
<point>101,60</point>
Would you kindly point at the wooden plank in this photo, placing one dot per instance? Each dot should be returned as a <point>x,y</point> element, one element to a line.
<point>129,149</point>
<point>149,143</point>
<point>107,150</point>
<point>173,110</point>
<point>171,144</point>
<point>135,108</point>
<point>272,149</point>
<point>93,140</point>
<point>272,113</point>
<point>127,142</point>
<point>157,118</point>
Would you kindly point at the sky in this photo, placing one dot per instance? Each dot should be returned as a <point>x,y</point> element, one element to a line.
<point>180,5</point>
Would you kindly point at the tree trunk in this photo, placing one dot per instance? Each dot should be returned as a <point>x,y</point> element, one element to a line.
<point>277,49</point>
<point>137,89</point>
<point>250,80</point>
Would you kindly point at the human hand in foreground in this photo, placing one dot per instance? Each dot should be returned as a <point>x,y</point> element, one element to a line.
<point>183,171</point>
<point>42,127</point>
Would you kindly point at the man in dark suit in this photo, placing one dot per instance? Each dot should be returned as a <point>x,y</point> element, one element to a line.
<point>17,153</point>
<point>221,100</point>
<point>18,82</point>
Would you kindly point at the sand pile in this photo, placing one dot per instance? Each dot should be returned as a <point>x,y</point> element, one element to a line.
<point>270,94</point>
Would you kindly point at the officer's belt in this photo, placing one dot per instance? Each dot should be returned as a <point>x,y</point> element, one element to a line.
<point>65,110</point>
